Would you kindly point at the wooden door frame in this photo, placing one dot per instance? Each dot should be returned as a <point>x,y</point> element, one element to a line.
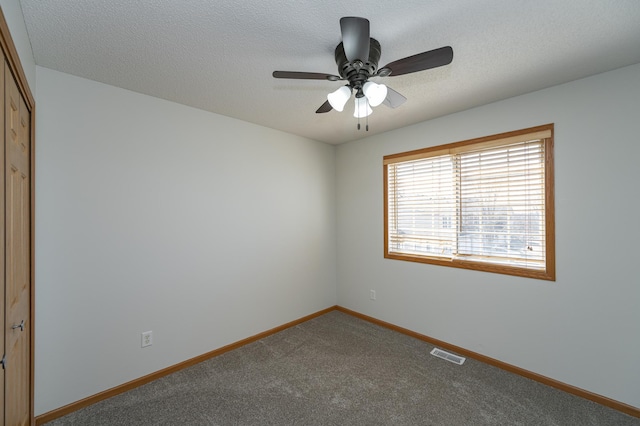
<point>13,60</point>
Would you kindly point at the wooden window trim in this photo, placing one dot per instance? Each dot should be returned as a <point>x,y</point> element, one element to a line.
<point>550,266</point>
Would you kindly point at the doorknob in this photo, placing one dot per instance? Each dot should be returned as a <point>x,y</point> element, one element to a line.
<point>20,326</point>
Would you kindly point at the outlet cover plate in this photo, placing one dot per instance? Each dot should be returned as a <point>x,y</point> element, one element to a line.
<point>147,339</point>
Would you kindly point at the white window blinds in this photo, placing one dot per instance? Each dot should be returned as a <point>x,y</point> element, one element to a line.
<point>422,209</point>
<point>481,202</point>
<point>501,201</point>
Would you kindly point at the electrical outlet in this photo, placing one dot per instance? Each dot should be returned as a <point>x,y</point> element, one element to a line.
<point>372,294</point>
<point>147,338</point>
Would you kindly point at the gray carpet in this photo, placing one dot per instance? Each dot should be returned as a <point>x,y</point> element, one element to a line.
<point>340,370</point>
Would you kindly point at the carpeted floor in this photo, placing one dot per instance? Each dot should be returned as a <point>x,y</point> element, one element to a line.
<point>340,370</point>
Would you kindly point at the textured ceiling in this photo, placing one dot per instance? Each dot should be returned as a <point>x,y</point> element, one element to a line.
<point>219,55</point>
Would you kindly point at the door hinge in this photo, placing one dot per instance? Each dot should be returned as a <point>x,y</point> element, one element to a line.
<point>4,362</point>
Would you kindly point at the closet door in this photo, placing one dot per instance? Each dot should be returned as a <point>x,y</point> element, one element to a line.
<point>17,254</point>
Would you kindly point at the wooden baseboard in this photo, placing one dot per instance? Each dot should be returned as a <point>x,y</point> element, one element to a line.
<point>74,406</point>
<point>67,409</point>
<point>603,400</point>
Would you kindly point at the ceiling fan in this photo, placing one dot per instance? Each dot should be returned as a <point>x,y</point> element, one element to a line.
<point>357,59</point>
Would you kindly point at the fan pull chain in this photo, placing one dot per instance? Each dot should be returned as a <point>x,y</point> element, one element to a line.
<point>367,118</point>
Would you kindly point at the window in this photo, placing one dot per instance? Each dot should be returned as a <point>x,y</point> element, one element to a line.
<point>484,204</point>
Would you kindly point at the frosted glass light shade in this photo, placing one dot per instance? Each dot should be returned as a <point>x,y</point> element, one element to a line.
<point>338,98</point>
<point>362,108</point>
<point>375,93</point>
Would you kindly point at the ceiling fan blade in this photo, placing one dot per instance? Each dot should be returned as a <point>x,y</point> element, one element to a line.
<point>420,62</point>
<point>355,37</point>
<point>393,99</point>
<point>305,75</point>
<point>325,107</point>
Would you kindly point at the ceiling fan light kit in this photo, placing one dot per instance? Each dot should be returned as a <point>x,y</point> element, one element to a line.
<point>362,109</point>
<point>357,60</point>
<point>375,93</point>
<point>339,98</point>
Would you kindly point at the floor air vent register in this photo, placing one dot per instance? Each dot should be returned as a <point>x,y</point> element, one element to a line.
<point>448,356</point>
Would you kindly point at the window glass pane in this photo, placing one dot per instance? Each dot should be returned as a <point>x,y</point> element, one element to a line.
<point>422,210</point>
<point>502,204</point>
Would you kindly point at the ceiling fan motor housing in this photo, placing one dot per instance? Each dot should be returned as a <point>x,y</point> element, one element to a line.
<point>358,72</point>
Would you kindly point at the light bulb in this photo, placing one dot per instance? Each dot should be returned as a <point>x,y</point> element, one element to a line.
<point>375,93</point>
<point>338,98</point>
<point>362,108</point>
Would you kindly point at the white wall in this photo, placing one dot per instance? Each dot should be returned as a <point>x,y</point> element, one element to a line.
<point>155,216</point>
<point>583,329</point>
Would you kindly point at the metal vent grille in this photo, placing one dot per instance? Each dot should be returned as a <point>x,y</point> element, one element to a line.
<point>448,356</point>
